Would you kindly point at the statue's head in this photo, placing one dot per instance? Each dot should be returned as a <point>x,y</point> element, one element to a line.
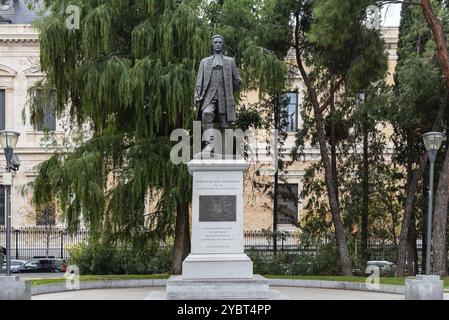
<point>218,42</point>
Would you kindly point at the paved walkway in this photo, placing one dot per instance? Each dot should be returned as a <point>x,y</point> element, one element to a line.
<point>293,293</point>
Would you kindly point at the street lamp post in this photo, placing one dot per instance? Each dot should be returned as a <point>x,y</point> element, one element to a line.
<point>8,140</point>
<point>432,141</point>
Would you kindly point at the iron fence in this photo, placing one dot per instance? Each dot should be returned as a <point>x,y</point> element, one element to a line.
<point>295,243</point>
<point>27,243</point>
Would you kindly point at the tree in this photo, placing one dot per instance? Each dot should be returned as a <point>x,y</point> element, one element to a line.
<point>439,30</point>
<point>346,55</point>
<point>254,32</point>
<point>418,106</point>
<point>333,60</point>
<point>128,75</point>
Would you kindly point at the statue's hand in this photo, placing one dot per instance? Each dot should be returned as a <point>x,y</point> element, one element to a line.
<point>198,101</point>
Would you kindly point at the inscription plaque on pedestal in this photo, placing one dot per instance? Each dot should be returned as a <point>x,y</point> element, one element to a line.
<point>217,208</point>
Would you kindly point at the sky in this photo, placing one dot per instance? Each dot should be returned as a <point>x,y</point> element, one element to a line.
<point>391,15</point>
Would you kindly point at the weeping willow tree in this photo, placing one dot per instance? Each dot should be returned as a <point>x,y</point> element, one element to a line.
<point>126,77</point>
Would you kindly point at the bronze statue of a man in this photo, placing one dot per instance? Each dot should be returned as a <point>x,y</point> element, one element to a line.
<point>218,79</point>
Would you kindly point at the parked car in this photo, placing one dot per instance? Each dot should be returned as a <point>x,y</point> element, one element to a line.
<point>384,266</point>
<point>15,264</point>
<point>42,265</point>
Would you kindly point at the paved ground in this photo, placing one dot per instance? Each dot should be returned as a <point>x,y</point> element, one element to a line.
<point>293,293</point>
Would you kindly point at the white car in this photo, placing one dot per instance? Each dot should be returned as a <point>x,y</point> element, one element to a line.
<point>383,265</point>
<point>15,264</point>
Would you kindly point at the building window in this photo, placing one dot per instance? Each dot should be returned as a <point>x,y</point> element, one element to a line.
<point>45,118</point>
<point>46,217</point>
<point>287,203</point>
<point>2,109</point>
<point>290,116</point>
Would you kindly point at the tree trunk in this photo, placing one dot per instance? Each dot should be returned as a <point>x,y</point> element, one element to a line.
<point>412,267</point>
<point>440,38</point>
<point>276,178</point>
<point>47,244</point>
<point>333,138</point>
<point>408,207</point>
<point>181,248</point>
<point>412,252</point>
<point>342,245</point>
<point>275,211</point>
<point>365,196</point>
<point>440,221</point>
<point>443,56</point>
<point>424,224</point>
<point>405,226</point>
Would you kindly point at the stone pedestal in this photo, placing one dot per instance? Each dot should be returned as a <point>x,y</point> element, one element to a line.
<point>12,288</point>
<point>217,267</point>
<point>179,288</point>
<point>424,287</point>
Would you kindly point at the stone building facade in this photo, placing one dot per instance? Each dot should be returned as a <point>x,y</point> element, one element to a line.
<point>259,207</point>
<point>19,70</point>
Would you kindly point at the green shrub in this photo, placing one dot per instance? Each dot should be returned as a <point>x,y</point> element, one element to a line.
<point>104,259</point>
<point>323,262</point>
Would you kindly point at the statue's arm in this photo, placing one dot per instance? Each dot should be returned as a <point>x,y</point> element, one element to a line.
<point>236,78</point>
<point>199,83</point>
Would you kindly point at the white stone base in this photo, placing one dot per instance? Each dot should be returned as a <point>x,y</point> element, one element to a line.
<point>162,295</point>
<point>12,288</point>
<point>424,287</point>
<point>217,266</point>
<point>256,288</point>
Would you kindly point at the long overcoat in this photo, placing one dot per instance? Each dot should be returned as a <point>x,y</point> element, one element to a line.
<point>232,84</point>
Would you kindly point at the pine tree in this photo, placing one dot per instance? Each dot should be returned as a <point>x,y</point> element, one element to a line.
<point>261,33</point>
<point>439,26</point>
<point>417,107</point>
<point>344,56</point>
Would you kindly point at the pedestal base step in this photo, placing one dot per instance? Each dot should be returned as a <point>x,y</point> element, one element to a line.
<point>256,288</point>
<point>217,266</point>
<point>424,287</point>
<point>12,288</point>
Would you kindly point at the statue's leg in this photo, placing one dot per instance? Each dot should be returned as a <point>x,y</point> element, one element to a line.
<point>208,116</point>
<point>224,124</point>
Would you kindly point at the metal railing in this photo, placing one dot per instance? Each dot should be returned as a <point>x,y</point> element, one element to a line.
<point>28,243</point>
<point>295,243</point>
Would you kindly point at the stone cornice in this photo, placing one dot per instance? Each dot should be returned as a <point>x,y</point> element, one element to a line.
<point>18,33</point>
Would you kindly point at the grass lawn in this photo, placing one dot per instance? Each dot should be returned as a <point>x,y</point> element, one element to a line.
<point>383,280</point>
<point>38,282</point>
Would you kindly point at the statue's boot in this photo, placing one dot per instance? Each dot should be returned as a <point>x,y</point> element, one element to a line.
<point>209,139</point>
